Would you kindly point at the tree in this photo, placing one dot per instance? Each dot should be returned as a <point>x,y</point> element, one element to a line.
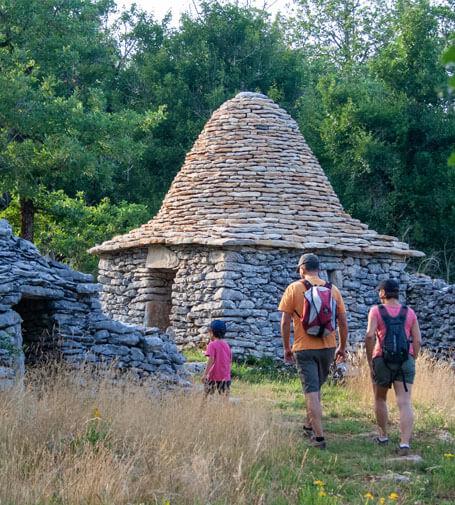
<point>343,32</point>
<point>222,50</point>
<point>57,129</point>
<point>384,131</point>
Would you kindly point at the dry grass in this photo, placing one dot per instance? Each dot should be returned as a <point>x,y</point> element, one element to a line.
<point>174,448</point>
<point>434,386</point>
<point>143,449</point>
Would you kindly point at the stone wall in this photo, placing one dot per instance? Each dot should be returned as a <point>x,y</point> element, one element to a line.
<point>58,312</point>
<point>243,286</point>
<point>434,303</point>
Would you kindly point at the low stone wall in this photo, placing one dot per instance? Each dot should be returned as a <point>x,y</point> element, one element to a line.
<point>243,286</point>
<point>64,304</point>
<point>434,303</point>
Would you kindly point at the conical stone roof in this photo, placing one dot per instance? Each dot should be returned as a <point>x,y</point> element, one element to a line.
<point>251,179</point>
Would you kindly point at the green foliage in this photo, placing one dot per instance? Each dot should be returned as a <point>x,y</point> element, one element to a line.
<point>68,227</point>
<point>227,48</point>
<point>384,130</point>
<point>110,108</point>
<point>7,345</point>
<point>257,371</point>
<point>194,355</point>
<point>448,59</point>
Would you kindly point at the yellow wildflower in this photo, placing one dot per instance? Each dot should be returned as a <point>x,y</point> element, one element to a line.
<point>96,414</point>
<point>449,455</point>
<point>381,501</point>
<point>322,493</point>
<point>368,496</point>
<point>318,483</point>
<point>393,496</point>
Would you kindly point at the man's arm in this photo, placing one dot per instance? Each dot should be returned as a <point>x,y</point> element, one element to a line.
<point>370,338</point>
<point>343,334</point>
<point>286,336</point>
<point>416,338</point>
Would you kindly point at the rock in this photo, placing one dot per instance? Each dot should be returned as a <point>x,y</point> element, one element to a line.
<point>445,436</point>
<point>411,458</point>
<point>396,477</point>
<point>195,367</point>
<point>152,344</point>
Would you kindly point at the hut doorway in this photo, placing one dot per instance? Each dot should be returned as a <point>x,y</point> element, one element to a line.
<point>159,294</point>
<point>39,336</point>
<point>161,264</point>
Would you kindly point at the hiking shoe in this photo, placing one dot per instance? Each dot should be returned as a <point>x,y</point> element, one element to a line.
<point>307,431</point>
<point>318,444</point>
<point>403,451</point>
<point>381,440</point>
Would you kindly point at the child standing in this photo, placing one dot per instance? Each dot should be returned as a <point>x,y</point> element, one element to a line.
<point>217,373</point>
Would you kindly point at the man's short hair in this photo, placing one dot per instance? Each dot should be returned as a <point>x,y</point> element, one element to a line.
<point>391,288</point>
<point>311,262</point>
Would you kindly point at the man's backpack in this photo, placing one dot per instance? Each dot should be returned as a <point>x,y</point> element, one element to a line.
<point>395,345</point>
<point>319,310</point>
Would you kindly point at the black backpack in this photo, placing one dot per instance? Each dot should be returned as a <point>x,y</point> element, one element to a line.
<point>395,346</point>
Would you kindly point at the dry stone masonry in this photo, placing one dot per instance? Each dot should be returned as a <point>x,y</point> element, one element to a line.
<point>49,312</point>
<point>248,201</point>
<point>434,303</point>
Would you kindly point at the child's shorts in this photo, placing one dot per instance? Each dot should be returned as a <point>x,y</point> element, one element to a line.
<point>223,387</point>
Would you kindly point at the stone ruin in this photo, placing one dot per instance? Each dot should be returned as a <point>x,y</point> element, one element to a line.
<point>50,312</point>
<point>249,200</point>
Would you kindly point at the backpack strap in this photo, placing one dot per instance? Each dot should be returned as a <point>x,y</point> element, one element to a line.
<point>307,284</point>
<point>403,313</point>
<point>386,317</point>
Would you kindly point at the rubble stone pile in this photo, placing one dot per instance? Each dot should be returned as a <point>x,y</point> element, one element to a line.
<point>49,311</point>
<point>434,302</point>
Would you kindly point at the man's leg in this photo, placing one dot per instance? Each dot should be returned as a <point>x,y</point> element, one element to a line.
<point>314,409</point>
<point>406,412</point>
<point>380,409</point>
<point>308,413</point>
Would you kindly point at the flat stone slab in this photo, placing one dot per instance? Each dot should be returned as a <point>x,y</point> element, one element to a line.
<point>396,477</point>
<point>411,458</point>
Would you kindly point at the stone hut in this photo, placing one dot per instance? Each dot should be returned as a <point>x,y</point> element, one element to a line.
<point>249,200</point>
<point>50,312</point>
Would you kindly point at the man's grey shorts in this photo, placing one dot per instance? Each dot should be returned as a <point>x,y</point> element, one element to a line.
<point>385,376</point>
<point>313,366</point>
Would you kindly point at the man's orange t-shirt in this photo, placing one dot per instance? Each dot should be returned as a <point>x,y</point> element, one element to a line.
<point>292,303</point>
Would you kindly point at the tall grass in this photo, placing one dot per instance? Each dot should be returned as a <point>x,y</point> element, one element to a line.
<point>67,438</point>
<point>433,388</point>
<point>64,443</point>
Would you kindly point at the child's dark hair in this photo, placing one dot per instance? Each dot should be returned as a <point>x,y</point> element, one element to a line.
<point>218,328</point>
<point>391,288</point>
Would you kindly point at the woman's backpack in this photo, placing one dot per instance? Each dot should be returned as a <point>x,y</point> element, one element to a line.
<point>395,345</point>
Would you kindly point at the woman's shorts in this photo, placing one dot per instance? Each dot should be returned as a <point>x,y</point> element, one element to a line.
<point>386,375</point>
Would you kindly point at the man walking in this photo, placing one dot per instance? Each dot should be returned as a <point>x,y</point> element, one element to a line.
<point>314,347</point>
<point>392,343</point>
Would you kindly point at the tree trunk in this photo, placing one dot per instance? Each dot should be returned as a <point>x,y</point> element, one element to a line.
<point>27,218</point>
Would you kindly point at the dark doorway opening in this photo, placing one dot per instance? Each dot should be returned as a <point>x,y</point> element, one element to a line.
<point>39,336</point>
<point>159,298</point>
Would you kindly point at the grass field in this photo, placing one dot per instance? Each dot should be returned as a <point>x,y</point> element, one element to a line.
<point>75,440</point>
